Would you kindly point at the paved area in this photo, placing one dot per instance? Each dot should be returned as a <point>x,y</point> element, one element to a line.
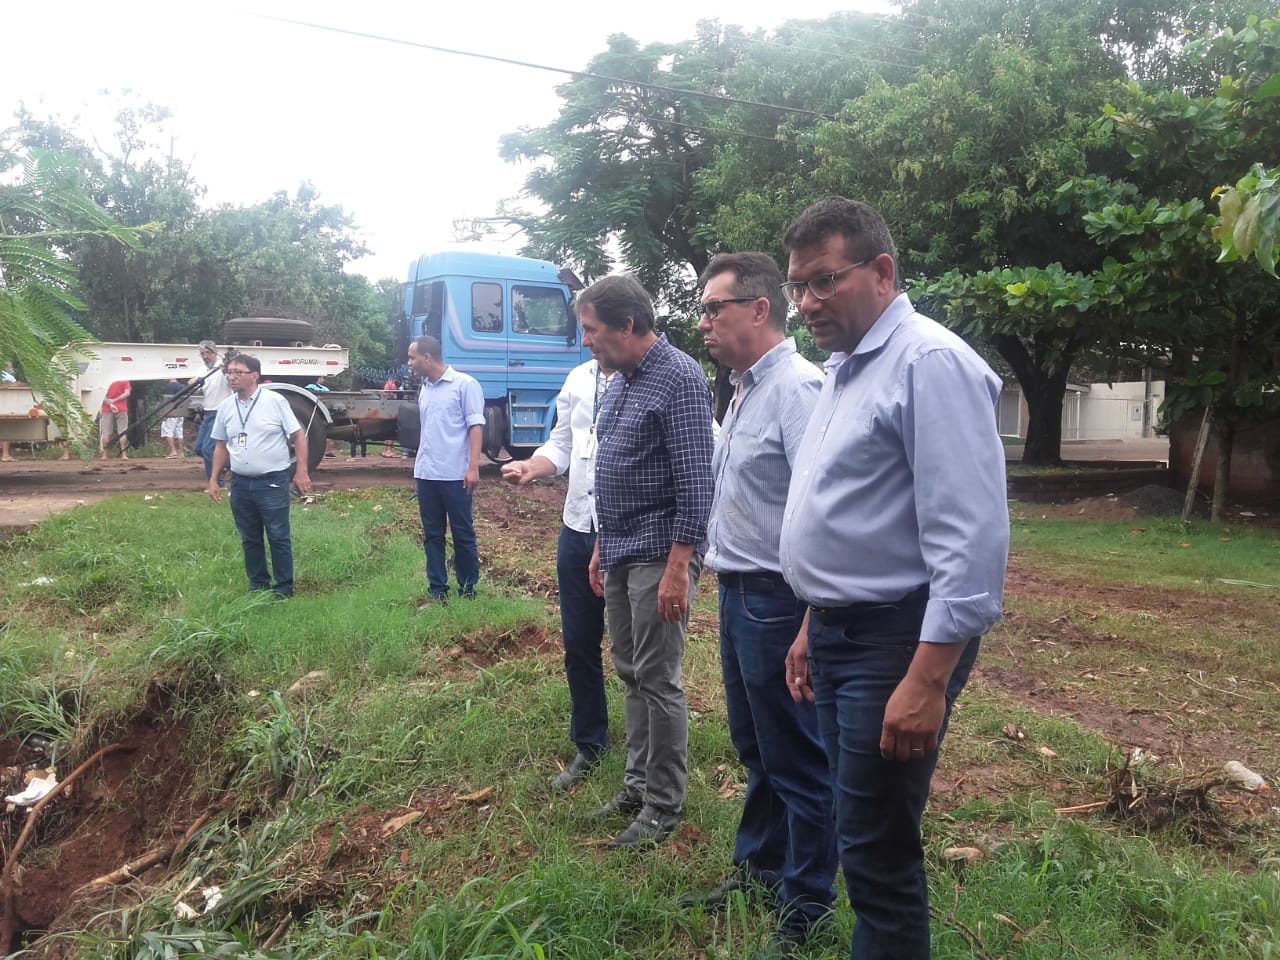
<point>1154,448</point>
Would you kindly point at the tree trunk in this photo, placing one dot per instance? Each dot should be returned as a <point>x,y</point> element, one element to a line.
<point>1225,434</point>
<point>1043,392</point>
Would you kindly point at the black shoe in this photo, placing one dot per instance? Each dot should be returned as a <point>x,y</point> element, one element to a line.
<point>624,803</point>
<point>717,896</point>
<point>648,829</point>
<point>575,772</point>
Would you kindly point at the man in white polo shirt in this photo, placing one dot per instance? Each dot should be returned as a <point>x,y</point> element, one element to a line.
<point>252,431</point>
<point>447,467</point>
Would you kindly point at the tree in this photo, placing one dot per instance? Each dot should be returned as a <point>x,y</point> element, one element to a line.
<point>44,210</point>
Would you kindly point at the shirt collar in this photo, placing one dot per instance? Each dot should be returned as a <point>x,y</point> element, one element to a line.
<point>657,350</point>
<point>775,355</point>
<point>446,377</point>
<point>875,338</point>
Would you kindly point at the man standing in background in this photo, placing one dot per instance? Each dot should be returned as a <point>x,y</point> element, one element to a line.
<point>214,392</point>
<point>252,431</point>
<point>113,421</point>
<point>653,494</point>
<point>447,467</point>
<point>785,841</point>
<point>572,447</point>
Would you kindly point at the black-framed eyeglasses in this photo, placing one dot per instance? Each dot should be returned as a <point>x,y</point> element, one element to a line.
<point>822,288</point>
<point>238,373</point>
<point>711,309</point>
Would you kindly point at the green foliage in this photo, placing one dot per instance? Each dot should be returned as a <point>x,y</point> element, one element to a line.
<point>45,211</point>
<point>1250,217</point>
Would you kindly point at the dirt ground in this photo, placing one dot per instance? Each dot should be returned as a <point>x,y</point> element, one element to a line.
<point>1171,700</point>
<point>34,490</point>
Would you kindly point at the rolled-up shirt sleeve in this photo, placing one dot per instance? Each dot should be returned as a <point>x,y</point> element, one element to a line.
<point>473,404</point>
<point>686,427</point>
<point>962,508</point>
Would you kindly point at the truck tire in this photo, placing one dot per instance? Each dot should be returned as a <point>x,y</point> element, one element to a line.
<point>270,331</point>
<point>494,436</point>
<point>313,425</point>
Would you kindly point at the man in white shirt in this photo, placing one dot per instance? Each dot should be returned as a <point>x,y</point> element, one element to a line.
<point>214,391</point>
<point>572,447</point>
<point>252,430</point>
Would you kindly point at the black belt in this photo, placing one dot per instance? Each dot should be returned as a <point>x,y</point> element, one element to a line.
<point>843,616</point>
<point>758,581</point>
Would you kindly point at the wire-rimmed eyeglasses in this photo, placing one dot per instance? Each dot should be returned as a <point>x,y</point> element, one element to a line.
<point>822,287</point>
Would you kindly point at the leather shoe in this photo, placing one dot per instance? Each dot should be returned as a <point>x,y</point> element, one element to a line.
<point>715,898</point>
<point>575,772</point>
<point>624,803</point>
<point>648,829</point>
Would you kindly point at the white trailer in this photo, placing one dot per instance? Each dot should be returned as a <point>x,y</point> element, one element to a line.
<point>284,369</point>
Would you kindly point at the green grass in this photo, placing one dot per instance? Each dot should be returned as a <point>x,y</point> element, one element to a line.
<point>422,708</point>
<point>1152,550</point>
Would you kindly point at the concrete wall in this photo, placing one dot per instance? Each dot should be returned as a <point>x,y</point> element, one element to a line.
<point>1102,412</point>
<point>1255,460</point>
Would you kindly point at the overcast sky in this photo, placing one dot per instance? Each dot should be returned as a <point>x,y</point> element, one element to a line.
<point>404,139</point>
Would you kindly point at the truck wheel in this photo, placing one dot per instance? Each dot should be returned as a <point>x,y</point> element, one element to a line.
<point>313,424</point>
<point>270,331</point>
<point>495,431</point>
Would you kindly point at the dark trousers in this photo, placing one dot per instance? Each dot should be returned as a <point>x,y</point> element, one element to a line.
<point>441,502</point>
<point>258,505</point>
<point>786,834</point>
<point>205,444</point>
<point>582,631</point>
<point>879,803</point>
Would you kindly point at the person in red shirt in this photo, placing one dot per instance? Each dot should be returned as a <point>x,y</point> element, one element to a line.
<point>113,421</point>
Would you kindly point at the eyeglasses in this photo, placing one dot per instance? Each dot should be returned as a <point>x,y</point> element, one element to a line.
<point>822,288</point>
<point>711,309</point>
<point>237,373</point>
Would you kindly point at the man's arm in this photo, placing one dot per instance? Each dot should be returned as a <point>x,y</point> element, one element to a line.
<point>219,464</point>
<point>475,435</point>
<point>521,472</point>
<point>300,475</point>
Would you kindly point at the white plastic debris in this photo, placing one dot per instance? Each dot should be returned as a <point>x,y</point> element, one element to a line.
<point>1245,778</point>
<point>38,582</point>
<point>38,787</point>
<point>212,897</point>
<point>184,912</point>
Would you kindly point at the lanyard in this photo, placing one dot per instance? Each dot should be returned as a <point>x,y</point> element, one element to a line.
<point>244,417</point>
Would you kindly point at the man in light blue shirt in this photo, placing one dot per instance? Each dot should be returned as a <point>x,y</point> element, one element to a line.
<point>447,467</point>
<point>785,843</point>
<point>252,430</point>
<point>896,534</point>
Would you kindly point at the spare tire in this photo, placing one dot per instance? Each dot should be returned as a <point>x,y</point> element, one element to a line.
<point>270,331</point>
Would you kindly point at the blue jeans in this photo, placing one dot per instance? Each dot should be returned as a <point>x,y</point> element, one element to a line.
<point>878,803</point>
<point>205,444</point>
<point>785,836</point>
<point>582,630</point>
<point>440,501</point>
<point>258,504</point>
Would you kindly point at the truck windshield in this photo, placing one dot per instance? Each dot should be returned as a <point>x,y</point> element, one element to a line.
<point>540,311</point>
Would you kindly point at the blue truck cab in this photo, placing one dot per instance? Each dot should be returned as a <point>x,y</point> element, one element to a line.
<point>506,321</point>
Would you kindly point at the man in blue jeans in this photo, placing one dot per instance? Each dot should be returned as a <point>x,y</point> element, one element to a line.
<point>785,842</point>
<point>572,447</point>
<point>252,430</point>
<point>447,467</point>
<point>896,535</point>
<point>214,391</point>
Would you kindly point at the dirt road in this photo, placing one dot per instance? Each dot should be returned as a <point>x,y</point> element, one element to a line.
<point>33,490</point>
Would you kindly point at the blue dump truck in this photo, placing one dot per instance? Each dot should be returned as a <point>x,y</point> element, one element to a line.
<point>506,321</point>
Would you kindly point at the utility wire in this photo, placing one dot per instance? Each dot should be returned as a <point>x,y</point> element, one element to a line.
<point>576,74</point>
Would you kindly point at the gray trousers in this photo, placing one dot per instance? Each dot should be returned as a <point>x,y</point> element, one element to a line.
<point>647,655</point>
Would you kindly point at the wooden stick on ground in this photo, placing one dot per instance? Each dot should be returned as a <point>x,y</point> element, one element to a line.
<point>8,921</point>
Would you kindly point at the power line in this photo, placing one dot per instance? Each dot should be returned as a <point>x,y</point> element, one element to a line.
<point>576,74</point>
